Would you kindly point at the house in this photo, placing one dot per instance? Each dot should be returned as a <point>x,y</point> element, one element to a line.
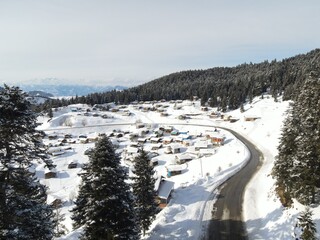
<point>173,149</point>
<point>52,136</point>
<point>142,140</point>
<point>233,120</point>
<point>168,129</point>
<point>202,145</point>
<point>158,132</point>
<point>52,173</point>
<point>155,140</point>
<point>192,151</point>
<point>156,146</point>
<point>226,117</point>
<point>187,143</point>
<point>139,125</point>
<point>168,150</point>
<point>154,161</point>
<point>163,188</point>
<point>214,115</point>
<point>132,151</point>
<point>67,136</point>
<point>182,117</point>
<point>250,118</point>
<point>167,140</point>
<point>186,136</point>
<point>183,158</point>
<point>114,110</point>
<point>55,151</point>
<point>216,137</point>
<point>72,164</point>
<point>173,170</point>
<point>174,132</point>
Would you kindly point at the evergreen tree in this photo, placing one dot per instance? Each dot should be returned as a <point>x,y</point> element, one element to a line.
<point>283,166</point>
<point>143,190</point>
<point>24,213</point>
<point>297,165</point>
<point>104,203</point>
<point>307,226</point>
<point>50,113</point>
<point>307,160</point>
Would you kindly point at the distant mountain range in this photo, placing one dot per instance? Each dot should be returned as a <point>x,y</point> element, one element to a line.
<point>69,90</point>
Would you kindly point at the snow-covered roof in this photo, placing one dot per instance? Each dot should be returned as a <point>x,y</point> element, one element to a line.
<point>176,167</point>
<point>184,157</point>
<point>165,189</point>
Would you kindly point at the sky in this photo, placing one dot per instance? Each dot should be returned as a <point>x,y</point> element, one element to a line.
<point>102,42</point>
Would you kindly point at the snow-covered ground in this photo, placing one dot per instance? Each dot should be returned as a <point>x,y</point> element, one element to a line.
<point>190,207</point>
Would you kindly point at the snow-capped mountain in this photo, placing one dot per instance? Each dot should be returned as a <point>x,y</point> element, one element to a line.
<point>69,90</point>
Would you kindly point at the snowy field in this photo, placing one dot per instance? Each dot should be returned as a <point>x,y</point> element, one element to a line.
<point>190,206</point>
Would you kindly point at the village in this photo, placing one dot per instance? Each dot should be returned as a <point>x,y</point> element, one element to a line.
<point>179,152</point>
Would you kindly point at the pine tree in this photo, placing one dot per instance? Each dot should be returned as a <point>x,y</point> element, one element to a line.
<point>143,190</point>
<point>297,165</point>
<point>307,160</point>
<point>283,166</point>
<point>50,113</point>
<point>307,226</point>
<point>104,203</point>
<point>24,213</point>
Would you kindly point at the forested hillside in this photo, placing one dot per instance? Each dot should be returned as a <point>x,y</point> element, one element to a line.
<point>224,87</point>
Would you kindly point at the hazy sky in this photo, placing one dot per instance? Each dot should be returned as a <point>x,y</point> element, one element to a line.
<point>130,42</point>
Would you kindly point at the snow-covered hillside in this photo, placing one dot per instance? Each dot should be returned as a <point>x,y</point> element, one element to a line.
<point>73,130</point>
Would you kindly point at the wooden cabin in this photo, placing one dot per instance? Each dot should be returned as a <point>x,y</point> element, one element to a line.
<point>163,188</point>
<point>183,158</point>
<point>52,173</point>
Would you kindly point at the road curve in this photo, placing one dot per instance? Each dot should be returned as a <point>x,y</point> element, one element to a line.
<point>226,222</point>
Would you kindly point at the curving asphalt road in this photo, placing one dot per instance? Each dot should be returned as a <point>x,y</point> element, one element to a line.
<point>226,222</point>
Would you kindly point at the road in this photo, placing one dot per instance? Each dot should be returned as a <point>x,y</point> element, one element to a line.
<point>227,221</point>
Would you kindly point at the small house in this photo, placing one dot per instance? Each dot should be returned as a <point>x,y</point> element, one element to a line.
<point>140,125</point>
<point>52,136</point>
<point>154,162</point>
<point>156,146</point>
<point>173,170</point>
<point>187,143</point>
<point>183,158</point>
<point>202,145</point>
<point>250,118</point>
<point>72,165</point>
<point>132,151</point>
<point>163,188</point>
<point>50,173</point>
<point>174,132</point>
<point>155,140</point>
<point>217,140</point>
<point>167,140</point>
<point>142,140</point>
<point>168,129</point>
<point>175,149</point>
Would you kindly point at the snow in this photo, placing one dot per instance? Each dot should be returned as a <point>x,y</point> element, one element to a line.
<point>189,210</point>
